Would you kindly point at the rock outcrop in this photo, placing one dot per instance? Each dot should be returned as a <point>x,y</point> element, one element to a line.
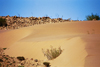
<point>15,22</point>
<point>7,61</point>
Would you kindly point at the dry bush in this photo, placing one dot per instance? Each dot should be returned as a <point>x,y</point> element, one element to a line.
<point>3,22</point>
<point>92,17</point>
<point>52,53</point>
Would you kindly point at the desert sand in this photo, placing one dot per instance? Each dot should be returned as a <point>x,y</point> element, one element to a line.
<point>79,40</point>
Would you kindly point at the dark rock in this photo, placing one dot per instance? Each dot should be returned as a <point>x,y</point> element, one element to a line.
<point>36,60</point>
<point>59,19</point>
<point>20,58</point>
<point>1,60</point>
<point>8,61</point>
<point>47,64</point>
<point>22,63</point>
<point>7,16</point>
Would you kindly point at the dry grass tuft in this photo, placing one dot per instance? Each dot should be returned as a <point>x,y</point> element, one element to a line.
<point>52,53</point>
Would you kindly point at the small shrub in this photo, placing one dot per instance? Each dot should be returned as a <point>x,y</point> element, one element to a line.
<point>10,63</point>
<point>0,64</point>
<point>6,58</point>
<point>20,66</point>
<point>4,48</point>
<point>92,16</point>
<point>3,22</point>
<point>52,53</point>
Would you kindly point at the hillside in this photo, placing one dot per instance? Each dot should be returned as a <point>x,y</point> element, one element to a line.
<point>79,40</point>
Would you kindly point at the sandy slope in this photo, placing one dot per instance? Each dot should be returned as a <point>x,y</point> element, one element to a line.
<point>80,41</point>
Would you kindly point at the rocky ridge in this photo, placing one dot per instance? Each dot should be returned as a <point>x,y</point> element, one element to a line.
<point>15,22</point>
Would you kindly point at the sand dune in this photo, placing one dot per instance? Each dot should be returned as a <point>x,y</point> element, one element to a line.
<point>80,41</point>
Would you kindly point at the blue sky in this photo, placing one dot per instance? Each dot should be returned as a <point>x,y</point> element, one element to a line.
<point>74,9</point>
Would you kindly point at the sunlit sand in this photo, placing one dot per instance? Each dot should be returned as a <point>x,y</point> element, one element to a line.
<point>79,40</point>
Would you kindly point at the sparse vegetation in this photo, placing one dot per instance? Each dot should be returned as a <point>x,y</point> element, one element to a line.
<point>91,32</point>
<point>0,64</point>
<point>6,58</point>
<point>20,66</point>
<point>3,22</point>
<point>92,17</point>
<point>4,48</point>
<point>52,53</point>
<point>88,32</point>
